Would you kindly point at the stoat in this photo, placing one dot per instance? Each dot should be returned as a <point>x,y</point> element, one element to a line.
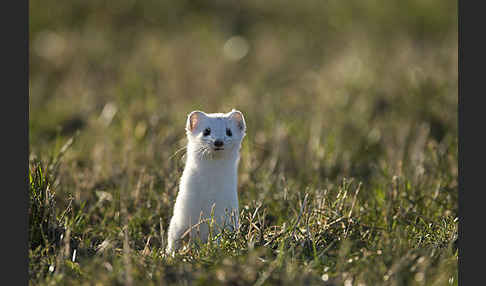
<point>209,181</point>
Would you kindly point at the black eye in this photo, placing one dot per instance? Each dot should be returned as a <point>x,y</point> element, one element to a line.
<point>207,131</point>
<point>228,132</point>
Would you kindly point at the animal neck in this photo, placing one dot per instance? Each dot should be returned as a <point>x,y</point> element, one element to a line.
<point>227,163</point>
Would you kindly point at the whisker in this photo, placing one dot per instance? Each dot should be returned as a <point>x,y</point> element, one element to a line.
<point>200,151</point>
<point>207,153</point>
<point>177,151</point>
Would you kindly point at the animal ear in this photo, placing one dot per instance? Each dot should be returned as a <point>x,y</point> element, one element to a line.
<point>238,117</point>
<point>194,119</point>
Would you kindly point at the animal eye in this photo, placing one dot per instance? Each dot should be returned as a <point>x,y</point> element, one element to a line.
<point>207,131</point>
<point>228,132</point>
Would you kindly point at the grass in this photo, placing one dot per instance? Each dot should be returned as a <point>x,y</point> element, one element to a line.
<point>348,172</point>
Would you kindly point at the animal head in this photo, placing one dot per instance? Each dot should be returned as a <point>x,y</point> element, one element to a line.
<point>215,135</point>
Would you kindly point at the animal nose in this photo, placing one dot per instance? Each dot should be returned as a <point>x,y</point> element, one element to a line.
<point>218,143</point>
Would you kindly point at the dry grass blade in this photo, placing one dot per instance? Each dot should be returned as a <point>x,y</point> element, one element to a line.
<point>354,199</point>
<point>302,208</point>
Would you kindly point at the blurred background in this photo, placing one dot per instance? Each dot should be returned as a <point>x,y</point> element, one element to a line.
<point>358,78</point>
<point>329,89</point>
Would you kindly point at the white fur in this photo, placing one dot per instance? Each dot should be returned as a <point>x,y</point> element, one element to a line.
<point>209,177</point>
